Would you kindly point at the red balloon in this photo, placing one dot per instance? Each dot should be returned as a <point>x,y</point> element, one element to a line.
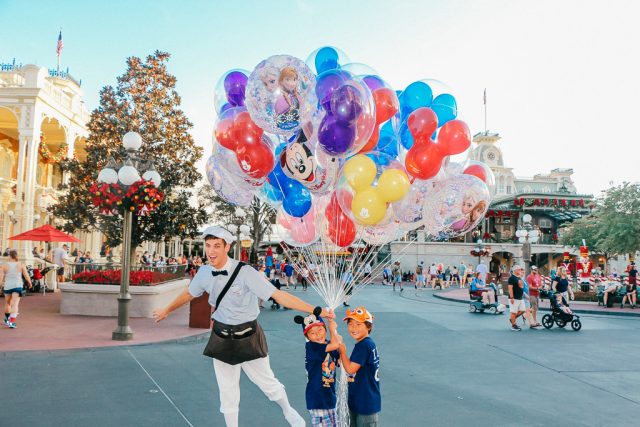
<point>245,130</point>
<point>424,160</point>
<point>373,141</point>
<point>224,134</point>
<point>342,231</point>
<point>255,159</point>
<point>387,104</point>
<point>477,171</point>
<point>454,137</point>
<point>422,123</point>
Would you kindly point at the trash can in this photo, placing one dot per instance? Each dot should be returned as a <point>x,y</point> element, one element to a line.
<point>200,312</point>
<point>585,287</point>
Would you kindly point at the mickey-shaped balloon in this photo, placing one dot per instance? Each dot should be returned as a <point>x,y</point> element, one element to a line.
<point>425,157</point>
<point>369,204</point>
<point>237,132</point>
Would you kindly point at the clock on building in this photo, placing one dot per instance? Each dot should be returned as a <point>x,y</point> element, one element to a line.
<point>490,157</point>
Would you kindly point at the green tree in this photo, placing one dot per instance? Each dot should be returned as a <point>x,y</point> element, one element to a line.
<point>613,228</point>
<point>145,101</point>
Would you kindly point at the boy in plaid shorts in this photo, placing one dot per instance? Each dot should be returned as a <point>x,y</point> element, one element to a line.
<point>321,360</point>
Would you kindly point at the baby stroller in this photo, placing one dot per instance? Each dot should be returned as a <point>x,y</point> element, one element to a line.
<point>559,316</point>
<point>36,276</point>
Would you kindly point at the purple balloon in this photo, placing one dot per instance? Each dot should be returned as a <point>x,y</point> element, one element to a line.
<point>234,85</point>
<point>326,83</point>
<point>336,137</point>
<point>346,103</point>
<point>373,82</point>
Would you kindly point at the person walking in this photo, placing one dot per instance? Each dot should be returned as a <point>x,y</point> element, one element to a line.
<point>397,276</point>
<point>433,273</point>
<point>420,275</point>
<point>516,291</point>
<point>237,342</point>
<point>11,275</point>
<point>59,256</point>
<point>535,284</point>
<point>483,270</point>
<point>561,284</point>
<point>463,274</point>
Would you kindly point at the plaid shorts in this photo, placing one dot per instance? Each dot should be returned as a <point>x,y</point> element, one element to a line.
<point>323,417</point>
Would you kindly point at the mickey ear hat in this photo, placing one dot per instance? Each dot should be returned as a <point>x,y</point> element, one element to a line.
<point>310,321</point>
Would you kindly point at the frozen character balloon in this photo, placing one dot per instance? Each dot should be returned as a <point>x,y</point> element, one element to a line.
<point>468,203</point>
<point>281,95</point>
<point>288,102</point>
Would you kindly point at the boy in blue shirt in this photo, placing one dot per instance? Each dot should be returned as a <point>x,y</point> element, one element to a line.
<point>363,369</point>
<point>321,360</point>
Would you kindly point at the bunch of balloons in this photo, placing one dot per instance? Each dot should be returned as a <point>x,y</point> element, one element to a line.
<point>341,155</point>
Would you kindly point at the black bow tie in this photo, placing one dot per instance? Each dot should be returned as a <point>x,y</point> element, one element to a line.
<point>217,273</point>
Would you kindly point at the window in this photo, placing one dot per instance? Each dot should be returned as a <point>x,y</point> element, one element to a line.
<point>545,223</point>
<point>508,189</point>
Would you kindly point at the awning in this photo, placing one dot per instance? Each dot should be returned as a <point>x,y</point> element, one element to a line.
<point>46,233</point>
<point>564,215</point>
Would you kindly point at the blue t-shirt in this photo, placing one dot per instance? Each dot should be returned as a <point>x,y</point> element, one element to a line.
<point>364,386</point>
<point>321,376</point>
<point>268,261</point>
<point>288,270</point>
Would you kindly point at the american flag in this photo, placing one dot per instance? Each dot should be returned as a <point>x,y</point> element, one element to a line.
<point>60,44</point>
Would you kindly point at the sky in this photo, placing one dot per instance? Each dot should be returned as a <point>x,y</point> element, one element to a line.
<point>562,77</point>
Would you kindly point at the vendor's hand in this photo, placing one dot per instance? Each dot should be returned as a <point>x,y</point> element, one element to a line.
<point>328,313</point>
<point>160,314</point>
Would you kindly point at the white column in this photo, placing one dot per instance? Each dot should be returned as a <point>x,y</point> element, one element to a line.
<point>70,148</point>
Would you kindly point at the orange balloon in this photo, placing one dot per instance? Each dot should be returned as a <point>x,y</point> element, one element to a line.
<point>454,137</point>
<point>424,160</point>
<point>373,141</point>
<point>422,123</point>
<point>387,104</point>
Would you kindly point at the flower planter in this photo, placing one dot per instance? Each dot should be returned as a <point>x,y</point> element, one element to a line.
<point>102,300</point>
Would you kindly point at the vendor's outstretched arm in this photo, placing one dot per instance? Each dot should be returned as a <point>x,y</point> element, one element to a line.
<point>287,300</point>
<point>162,313</point>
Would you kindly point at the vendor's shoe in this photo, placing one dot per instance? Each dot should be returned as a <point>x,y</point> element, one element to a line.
<point>294,419</point>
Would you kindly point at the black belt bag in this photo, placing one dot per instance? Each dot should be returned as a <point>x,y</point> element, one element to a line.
<point>235,344</point>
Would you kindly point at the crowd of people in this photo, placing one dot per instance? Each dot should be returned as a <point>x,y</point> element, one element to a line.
<point>435,275</point>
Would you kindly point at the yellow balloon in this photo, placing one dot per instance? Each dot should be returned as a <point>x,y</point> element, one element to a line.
<point>393,185</point>
<point>360,171</point>
<point>368,207</point>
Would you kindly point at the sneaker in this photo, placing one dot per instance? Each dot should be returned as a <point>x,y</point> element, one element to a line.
<point>12,325</point>
<point>6,322</point>
<point>416,286</point>
<point>515,328</point>
<point>401,289</point>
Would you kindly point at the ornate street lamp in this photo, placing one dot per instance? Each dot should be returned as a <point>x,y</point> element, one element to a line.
<point>240,229</point>
<point>126,175</point>
<point>527,235</point>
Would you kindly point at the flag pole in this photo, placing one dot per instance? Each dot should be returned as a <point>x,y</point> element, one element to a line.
<point>485,111</point>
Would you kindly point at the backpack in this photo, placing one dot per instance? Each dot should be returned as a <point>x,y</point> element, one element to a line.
<point>419,270</point>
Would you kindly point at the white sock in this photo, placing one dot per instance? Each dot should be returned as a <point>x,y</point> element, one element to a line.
<point>231,419</point>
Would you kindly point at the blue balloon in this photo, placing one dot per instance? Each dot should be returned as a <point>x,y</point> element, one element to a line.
<point>387,143</point>
<point>272,193</point>
<point>445,107</point>
<point>278,179</point>
<point>326,59</point>
<point>416,95</point>
<point>297,199</point>
<point>406,139</point>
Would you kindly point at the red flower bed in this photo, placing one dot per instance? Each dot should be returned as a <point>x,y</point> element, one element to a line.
<point>112,277</point>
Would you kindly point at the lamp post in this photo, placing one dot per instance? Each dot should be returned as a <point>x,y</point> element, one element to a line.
<point>126,175</point>
<point>527,235</point>
<point>479,249</point>
<point>239,228</point>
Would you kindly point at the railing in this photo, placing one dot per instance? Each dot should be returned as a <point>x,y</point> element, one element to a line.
<point>110,273</point>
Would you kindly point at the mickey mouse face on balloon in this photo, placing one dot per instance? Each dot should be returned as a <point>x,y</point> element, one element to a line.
<point>298,162</point>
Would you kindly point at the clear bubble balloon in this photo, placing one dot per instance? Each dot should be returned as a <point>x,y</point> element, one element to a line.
<point>228,186</point>
<point>230,90</point>
<point>481,171</point>
<point>457,207</point>
<point>368,184</point>
<point>281,94</point>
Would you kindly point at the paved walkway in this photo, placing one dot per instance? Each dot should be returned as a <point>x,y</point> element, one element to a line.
<point>462,296</point>
<point>42,327</point>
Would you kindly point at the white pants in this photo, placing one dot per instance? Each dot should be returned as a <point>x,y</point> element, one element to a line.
<point>259,372</point>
